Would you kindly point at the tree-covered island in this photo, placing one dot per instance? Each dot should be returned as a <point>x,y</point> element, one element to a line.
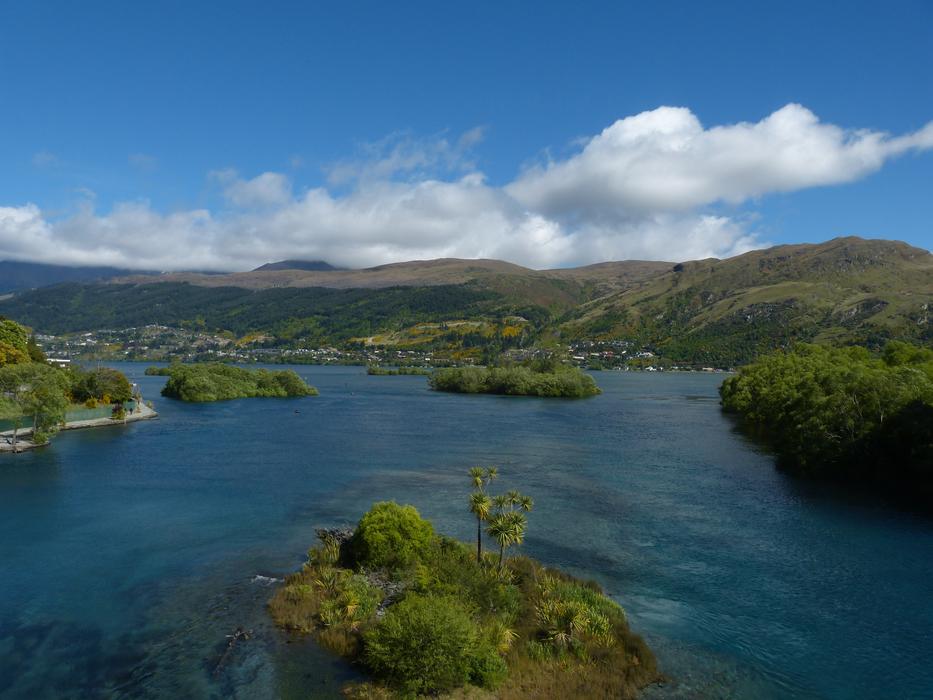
<point>844,414</point>
<point>425,614</point>
<point>545,378</point>
<point>378,371</point>
<point>216,381</point>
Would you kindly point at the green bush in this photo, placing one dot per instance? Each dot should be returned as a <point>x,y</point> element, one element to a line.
<point>487,668</point>
<point>391,536</point>
<point>425,644</point>
<point>450,569</point>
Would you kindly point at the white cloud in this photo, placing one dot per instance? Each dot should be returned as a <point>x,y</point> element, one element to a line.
<point>650,186</point>
<point>45,159</point>
<point>143,162</point>
<point>401,154</point>
<point>265,190</point>
<point>664,160</point>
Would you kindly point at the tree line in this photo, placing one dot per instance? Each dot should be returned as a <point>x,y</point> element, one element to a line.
<point>844,413</point>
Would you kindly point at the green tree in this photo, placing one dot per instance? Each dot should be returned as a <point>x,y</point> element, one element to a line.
<point>99,383</point>
<point>507,528</point>
<point>14,343</point>
<point>34,351</point>
<point>38,391</point>
<point>842,412</point>
<point>480,503</point>
<point>508,524</point>
<point>481,507</point>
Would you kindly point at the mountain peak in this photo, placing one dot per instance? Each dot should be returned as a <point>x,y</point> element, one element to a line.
<point>309,265</point>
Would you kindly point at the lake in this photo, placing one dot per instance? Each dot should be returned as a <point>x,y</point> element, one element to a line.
<point>129,553</point>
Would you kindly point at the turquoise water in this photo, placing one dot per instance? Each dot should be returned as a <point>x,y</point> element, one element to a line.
<point>129,552</point>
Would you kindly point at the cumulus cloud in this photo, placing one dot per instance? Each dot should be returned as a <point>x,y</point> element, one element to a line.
<point>265,190</point>
<point>657,185</point>
<point>664,160</point>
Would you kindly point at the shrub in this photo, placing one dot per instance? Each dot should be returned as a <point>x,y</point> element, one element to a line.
<point>425,644</point>
<point>450,568</point>
<point>487,668</point>
<point>391,536</point>
<point>91,403</point>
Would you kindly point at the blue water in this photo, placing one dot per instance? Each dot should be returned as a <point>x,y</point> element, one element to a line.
<point>129,552</point>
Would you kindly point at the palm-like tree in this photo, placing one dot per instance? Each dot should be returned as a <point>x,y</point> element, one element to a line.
<point>507,528</point>
<point>481,507</point>
<point>480,503</point>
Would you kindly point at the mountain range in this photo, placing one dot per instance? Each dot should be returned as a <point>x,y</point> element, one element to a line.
<point>847,290</point>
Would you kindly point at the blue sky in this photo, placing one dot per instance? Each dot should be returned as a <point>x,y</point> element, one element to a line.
<point>225,134</point>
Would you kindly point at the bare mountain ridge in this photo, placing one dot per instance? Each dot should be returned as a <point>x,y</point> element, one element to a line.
<point>296,265</point>
<point>404,274</point>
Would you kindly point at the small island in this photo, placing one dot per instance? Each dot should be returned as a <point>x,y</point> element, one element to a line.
<point>377,371</point>
<point>216,381</point>
<point>425,614</point>
<point>545,378</point>
<point>844,414</point>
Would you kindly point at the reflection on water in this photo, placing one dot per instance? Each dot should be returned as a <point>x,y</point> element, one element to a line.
<point>130,554</point>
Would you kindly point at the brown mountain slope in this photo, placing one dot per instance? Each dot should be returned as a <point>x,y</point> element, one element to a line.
<point>844,290</point>
<point>555,289</point>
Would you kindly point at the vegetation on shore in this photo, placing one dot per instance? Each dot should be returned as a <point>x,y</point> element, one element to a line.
<point>425,614</point>
<point>538,378</point>
<point>215,381</point>
<point>375,370</point>
<point>34,391</point>
<point>844,413</point>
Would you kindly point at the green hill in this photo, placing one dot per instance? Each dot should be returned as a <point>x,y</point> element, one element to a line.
<point>720,312</point>
<point>847,290</point>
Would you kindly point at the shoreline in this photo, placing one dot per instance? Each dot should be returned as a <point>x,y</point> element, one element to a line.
<point>24,445</point>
